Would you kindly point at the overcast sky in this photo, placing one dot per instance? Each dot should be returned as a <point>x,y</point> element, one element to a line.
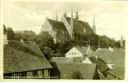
<point>111,17</point>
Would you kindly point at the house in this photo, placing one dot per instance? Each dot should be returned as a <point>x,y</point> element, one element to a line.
<point>79,53</point>
<point>106,56</point>
<point>76,71</point>
<point>25,60</point>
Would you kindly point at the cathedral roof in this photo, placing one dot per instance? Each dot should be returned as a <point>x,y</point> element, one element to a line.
<point>80,26</point>
<point>57,25</point>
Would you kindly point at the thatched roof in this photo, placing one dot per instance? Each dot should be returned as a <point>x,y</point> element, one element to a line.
<point>101,65</point>
<point>23,56</point>
<point>76,70</point>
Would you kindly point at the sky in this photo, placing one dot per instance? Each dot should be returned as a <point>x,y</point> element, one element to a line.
<point>111,18</point>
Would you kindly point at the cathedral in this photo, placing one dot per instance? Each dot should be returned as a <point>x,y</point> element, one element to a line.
<point>67,28</point>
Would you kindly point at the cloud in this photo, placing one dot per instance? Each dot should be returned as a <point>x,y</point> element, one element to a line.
<point>111,18</point>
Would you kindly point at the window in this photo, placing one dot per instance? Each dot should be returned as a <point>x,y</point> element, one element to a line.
<point>19,75</point>
<point>14,76</point>
<point>29,74</point>
<point>46,74</point>
<point>40,74</point>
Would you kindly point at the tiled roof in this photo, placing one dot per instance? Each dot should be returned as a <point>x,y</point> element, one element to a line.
<point>23,56</point>
<point>75,70</point>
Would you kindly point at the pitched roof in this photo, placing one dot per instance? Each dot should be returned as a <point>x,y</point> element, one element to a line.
<point>23,56</point>
<point>84,50</point>
<point>57,25</point>
<point>105,55</point>
<point>75,70</point>
<point>79,26</point>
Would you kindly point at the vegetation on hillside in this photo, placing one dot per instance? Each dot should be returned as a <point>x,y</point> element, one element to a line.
<point>49,49</point>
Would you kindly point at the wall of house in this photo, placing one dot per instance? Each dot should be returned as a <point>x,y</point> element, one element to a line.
<point>73,53</point>
<point>42,74</point>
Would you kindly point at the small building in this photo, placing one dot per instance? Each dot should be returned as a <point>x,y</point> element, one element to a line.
<point>76,71</point>
<point>79,53</point>
<point>24,60</point>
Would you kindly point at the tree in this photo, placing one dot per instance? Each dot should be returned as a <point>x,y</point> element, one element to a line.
<point>45,43</point>
<point>10,34</point>
<point>48,52</point>
<point>25,35</point>
<point>44,39</point>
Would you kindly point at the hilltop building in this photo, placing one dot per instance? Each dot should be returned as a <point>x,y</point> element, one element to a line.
<point>68,28</point>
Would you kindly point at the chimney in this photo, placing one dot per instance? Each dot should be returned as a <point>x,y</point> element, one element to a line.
<point>5,38</point>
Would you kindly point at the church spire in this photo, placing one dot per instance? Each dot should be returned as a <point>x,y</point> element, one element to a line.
<point>65,13</point>
<point>56,16</point>
<point>94,26</point>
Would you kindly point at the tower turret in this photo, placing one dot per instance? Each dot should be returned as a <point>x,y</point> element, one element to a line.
<point>56,16</point>
<point>121,42</point>
<point>94,26</point>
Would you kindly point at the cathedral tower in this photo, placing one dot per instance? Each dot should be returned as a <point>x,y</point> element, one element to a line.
<point>71,25</point>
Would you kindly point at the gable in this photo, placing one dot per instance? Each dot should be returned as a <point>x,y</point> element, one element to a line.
<point>87,60</point>
<point>73,53</point>
<point>46,26</point>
